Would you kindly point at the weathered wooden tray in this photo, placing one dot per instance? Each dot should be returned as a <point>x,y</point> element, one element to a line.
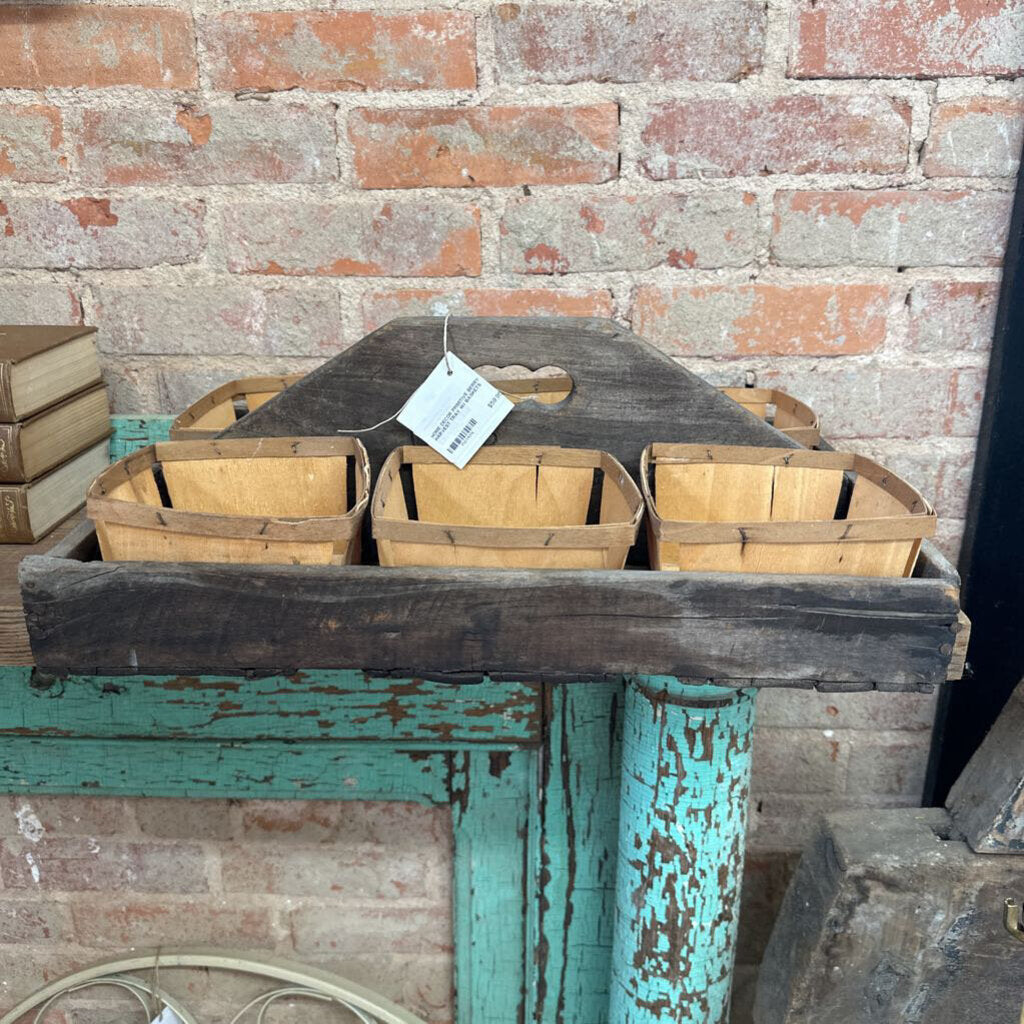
<point>86,616</point>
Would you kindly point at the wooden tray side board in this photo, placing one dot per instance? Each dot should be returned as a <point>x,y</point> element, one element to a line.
<point>272,501</point>
<point>743,509</point>
<point>512,507</point>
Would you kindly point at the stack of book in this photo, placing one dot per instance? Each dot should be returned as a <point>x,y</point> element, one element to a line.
<point>54,427</point>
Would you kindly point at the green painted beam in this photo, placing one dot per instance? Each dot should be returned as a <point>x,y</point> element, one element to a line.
<point>257,770</point>
<point>490,795</point>
<point>316,705</point>
<point>575,855</point>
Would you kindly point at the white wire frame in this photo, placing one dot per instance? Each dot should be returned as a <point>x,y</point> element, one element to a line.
<point>297,982</point>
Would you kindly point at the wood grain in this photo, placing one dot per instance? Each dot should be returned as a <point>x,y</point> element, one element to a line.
<point>94,617</point>
<point>626,394</point>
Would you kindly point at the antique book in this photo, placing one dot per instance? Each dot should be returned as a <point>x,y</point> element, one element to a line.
<point>34,446</point>
<point>42,365</point>
<point>29,511</point>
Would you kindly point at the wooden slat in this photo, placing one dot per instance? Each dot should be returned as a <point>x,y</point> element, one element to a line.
<point>88,617</point>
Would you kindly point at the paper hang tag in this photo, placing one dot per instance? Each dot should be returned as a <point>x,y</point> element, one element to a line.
<point>454,412</point>
<point>167,1016</point>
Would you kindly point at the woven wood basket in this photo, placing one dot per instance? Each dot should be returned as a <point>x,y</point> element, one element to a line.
<point>209,415</point>
<point>511,508</point>
<point>779,510</point>
<point>787,414</point>
<point>290,500</point>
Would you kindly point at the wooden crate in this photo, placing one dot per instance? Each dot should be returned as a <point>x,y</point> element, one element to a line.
<point>225,405</point>
<point>514,507</point>
<point>787,414</point>
<point>721,508</point>
<point>274,500</point>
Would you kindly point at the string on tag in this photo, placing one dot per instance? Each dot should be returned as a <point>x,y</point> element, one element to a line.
<point>394,416</point>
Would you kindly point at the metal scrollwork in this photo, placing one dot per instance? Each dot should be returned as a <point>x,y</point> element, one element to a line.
<point>295,981</point>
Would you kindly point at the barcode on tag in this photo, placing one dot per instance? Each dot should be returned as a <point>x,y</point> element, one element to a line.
<point>455,410</point>
<point>464,434</point>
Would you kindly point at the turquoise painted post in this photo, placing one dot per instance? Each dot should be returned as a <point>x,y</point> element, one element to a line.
<point>685,786</point>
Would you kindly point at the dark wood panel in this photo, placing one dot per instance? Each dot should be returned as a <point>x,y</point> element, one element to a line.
<point>626,393</point>
<point>95,617</point>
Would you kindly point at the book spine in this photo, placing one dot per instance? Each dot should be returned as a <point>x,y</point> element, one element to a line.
<point>15,527</point>
<point>12,469</point>
<point>6,397</point>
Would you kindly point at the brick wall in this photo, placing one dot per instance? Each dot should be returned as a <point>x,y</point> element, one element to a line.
<point>809,193</point>
<point>363,889</point>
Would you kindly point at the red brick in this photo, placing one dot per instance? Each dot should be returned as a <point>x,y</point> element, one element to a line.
<point>33,922</point>
<point>363,239</point>
<point>949,535</point>
<point>64,815</point>
<point>88,232</point>
<point>889,764</point>
<point>890,228</point>
<point>90,865</point>
<point>952,316</point>
<point>237,143</point>
<point>422,983</point>
<point>976,137</point>
<point>26,968</point>
<point>340,871</point>
<point>782,707</point>
<point>561,235</point>
<point>788,135</point>
<point>906,38</point>
<point>28,303</point>
<point>172,818</point>
<point>32,143</point>
<point>219,320</point>
<point>764,319</point>
<point>361,930</point>
<point>799,761</point>
<point>394,823</point>
<point>857,399</point>
<point>94,45</point>
<point>380,307</point>
<point>476,146</point>
<point>342,50</point>
<point>966,392</point>
<point>112,924</point>
<point>651,42</point>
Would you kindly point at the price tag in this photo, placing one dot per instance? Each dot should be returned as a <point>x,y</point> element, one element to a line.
<point>455,412</point>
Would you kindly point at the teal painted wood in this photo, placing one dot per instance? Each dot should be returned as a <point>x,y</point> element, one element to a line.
<point>258,770</point>
<point>574,857</point>
<point>490,793</point>
<point>134,432</point>
<point>317,705</point>
<point>685,785</point>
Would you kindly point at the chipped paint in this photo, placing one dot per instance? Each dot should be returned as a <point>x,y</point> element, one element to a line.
<point>685,784</point>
